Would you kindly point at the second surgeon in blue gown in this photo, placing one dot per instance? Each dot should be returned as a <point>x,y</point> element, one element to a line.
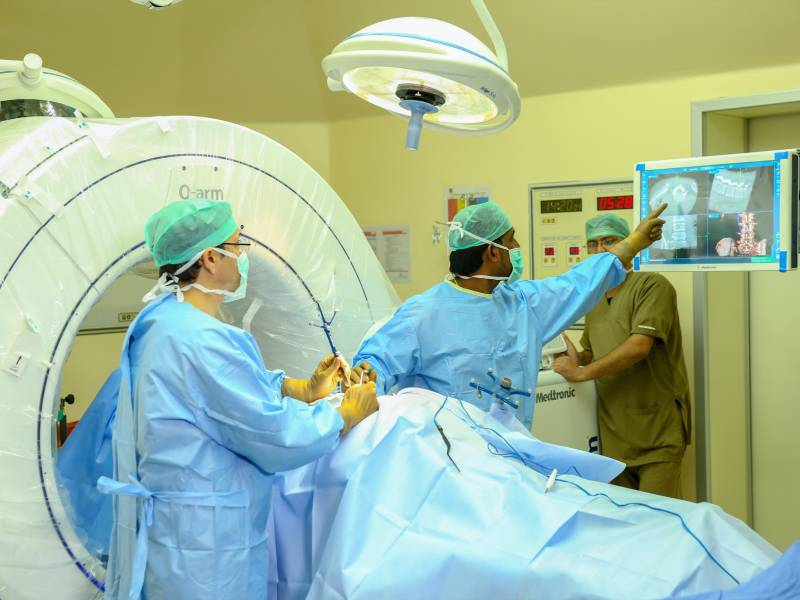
<point>86,456</point>
<point>482,317</point>
<point>202,425</point>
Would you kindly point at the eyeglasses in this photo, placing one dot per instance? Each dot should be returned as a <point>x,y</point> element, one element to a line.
<point>245,245</point>
<point>607,243</point>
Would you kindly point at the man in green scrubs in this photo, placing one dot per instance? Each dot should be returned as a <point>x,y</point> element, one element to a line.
<point>632,349</point>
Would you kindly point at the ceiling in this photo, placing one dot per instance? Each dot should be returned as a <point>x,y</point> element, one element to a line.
<point>259,60</point>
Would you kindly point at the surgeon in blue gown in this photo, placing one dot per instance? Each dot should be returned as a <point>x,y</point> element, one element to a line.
<point>202,425</point>
<point>483,317</point>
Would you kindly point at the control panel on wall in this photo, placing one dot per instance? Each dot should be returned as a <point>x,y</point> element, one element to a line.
<point>559,212</point>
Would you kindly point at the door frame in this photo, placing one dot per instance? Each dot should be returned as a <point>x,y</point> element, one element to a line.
<point>699,109</point>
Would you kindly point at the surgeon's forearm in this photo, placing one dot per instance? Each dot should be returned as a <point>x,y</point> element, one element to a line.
<point>624,356</point>
<point>629,247</point>
<point>296,388</point>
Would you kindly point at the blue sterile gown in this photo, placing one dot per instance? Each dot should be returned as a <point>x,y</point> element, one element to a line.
<point>446,336</point>
<point>85,457</point>
<point>201,428</point>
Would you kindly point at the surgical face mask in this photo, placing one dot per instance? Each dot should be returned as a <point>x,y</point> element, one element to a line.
<point>515,254</point>
<point>517,264</point>
<point>243,264</point>
<point>169,283</point>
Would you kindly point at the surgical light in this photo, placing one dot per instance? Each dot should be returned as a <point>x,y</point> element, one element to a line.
<point>27,89</point>
<point>429,71</point>
<point>156,4</point>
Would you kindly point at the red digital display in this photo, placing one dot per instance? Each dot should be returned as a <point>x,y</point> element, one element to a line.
<point>614,202</point>
<point>549,251</point>
<point>573,250</point>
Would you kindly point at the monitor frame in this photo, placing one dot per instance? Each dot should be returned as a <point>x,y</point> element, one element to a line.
<point>787,161</point>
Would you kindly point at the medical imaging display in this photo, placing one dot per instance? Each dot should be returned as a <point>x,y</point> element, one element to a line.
<point>717,213</point>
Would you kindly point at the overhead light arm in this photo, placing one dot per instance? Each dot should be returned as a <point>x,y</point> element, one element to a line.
<point>494,33</point>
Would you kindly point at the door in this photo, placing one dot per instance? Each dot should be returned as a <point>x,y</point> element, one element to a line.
<point>775,372</point>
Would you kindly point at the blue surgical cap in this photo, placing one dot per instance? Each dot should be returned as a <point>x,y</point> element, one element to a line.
<point>183,229</point>
<point>607,224</point>
<point>485,221</point>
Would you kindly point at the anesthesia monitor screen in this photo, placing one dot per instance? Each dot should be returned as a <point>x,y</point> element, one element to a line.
<point>726,213</point>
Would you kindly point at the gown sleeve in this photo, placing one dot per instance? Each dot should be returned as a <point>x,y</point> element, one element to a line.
<point>393,350</point>
<point>242,404</point>
<point>557,302</point>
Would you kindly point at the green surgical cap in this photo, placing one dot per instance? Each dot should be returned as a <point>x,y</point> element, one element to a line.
<point>183,229</point>
<point>607,224</point>
<point>487,221</point>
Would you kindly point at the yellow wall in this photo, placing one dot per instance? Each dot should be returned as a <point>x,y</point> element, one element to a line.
<point>91,360</point>
<point>770,133</point>
<point>724,134</point>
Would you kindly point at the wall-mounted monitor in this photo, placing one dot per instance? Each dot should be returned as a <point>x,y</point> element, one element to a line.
<point>737,212</point>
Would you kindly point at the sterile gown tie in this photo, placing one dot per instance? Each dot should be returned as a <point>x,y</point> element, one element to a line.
<point>235,499</point>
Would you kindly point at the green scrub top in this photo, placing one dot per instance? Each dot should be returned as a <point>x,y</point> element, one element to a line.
<point>643,412</point>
